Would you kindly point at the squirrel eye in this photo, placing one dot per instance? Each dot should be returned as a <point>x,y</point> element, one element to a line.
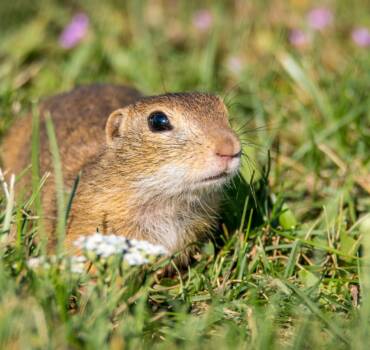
<point>158,121</point>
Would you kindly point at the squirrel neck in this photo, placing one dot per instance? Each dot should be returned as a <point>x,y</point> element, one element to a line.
<point>173,221</point>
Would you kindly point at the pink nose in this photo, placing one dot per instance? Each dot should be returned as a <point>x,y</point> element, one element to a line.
<point>228,147</point>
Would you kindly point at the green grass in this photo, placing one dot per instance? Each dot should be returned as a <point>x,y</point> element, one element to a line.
<point>289,266</point>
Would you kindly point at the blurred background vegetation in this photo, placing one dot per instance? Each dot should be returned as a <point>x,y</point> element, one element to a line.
<point>295,75</point>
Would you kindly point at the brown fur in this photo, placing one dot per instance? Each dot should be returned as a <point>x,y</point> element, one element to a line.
<point>134,182</point>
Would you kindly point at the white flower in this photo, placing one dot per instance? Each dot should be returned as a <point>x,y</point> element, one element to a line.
<point>35,263</point>
<point>105,250</point>
<point>132,251</point>
<point>135,259</point>
<point>76,264</point>
<point>148,248</point>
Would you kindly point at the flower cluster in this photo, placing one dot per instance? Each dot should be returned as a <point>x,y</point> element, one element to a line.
<point>132,251</point>
<point>102,248</point>
<point>75,264</point>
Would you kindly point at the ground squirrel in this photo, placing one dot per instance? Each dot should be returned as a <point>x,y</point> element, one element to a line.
<point>154,174</point>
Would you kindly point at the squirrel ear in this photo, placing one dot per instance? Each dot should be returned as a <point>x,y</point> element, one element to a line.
<point>113,126</point>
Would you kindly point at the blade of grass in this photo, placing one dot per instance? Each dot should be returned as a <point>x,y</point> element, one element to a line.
<point>36,184</point>
<point>59,186</point>
<point>248,229</point>
<point>318,246</point>
<point>71,197</point>
<point>242,221</point>
<point>8,209</point>
<point>36,192</point>
<point>207,70</point>
<point>292,259</point>
<point>4,185</point>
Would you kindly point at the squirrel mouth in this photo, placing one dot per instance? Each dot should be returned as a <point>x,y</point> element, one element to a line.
<point>216,177</point>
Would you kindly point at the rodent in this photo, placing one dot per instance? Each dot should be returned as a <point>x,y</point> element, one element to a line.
<point>151,167</point>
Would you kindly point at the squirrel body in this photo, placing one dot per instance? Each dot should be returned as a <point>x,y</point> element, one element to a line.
<point>151,167</point>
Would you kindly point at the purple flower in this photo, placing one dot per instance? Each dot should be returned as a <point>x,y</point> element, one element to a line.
<point>75,31</point>
<point>319,18</point>
<point>202,20</point>
<point>361,37</point>
<point>298,38</point>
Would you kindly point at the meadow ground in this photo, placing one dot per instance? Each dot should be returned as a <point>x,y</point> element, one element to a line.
<point>290,264</point>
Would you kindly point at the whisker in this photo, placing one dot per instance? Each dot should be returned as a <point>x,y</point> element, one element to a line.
<point>248,142</point>
<point>245,124</point>
<point>256,129</point>
<point>228,93</point>
<point>231,105</point>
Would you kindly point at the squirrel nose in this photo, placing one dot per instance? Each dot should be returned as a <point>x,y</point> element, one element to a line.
<point>228,147</point>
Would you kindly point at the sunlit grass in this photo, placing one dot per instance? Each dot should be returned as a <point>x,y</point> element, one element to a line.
<point>288,266</point>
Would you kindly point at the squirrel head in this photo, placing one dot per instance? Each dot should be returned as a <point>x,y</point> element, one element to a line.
<point>174,144</point>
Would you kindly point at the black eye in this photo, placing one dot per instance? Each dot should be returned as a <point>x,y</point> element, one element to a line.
<point>158,121</point>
